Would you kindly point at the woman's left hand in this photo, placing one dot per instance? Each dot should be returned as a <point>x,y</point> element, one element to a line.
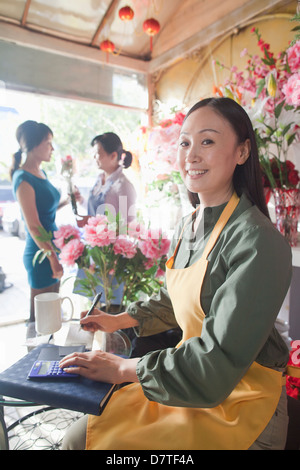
<point>56,267</point>
<point>82,220</point>
<point>101,366</point>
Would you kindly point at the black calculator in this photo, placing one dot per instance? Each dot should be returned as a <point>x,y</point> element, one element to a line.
<point>48,369</point>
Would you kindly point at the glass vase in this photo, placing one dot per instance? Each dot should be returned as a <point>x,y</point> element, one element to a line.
<point>287,211</point>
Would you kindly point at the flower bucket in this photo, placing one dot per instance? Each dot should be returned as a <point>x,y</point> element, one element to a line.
<point>287,211</point>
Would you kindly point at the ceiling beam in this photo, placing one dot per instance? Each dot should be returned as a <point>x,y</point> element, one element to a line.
<point>236,19</point>
<point>25,13</point>
<point>103,22</point>
<point>23,37</point>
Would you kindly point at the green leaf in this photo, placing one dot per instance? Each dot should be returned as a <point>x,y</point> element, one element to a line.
<point>260,86</point>
<point>286,129</point>
<point>291,139</point>
<point>44,256</point>
<point>36,256</point>
<point>40,256</point>
<point>44,235</point>
<point>278,109</point>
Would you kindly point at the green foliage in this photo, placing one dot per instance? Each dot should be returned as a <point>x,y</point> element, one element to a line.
<point>45,237</point>
<point>296,29</point>
<point>75,124</point>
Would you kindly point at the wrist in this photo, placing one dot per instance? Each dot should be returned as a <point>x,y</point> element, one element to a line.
<point>124,320</point>
<point>52,257</point>
<point>127,370</point>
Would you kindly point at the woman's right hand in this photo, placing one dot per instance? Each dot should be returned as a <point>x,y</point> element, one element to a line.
<point>106,322</point>
<point>99,321</point>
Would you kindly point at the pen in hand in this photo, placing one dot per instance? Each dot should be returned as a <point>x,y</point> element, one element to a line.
<point>95,301</point>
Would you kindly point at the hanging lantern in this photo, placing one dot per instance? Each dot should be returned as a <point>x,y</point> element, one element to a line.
<point>126,13</point>
<point>151,27</point>
<point>107,46</point>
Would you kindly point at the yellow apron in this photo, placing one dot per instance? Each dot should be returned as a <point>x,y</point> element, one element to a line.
<point>130,421</point>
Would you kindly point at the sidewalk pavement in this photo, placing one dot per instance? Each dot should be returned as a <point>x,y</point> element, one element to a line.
<point>14,300</point>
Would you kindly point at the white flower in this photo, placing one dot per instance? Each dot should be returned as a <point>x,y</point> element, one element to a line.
<point>288,117</point>
<point>257,113</point>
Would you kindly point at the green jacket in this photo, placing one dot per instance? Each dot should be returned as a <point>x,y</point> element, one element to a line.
<point>247,279</point>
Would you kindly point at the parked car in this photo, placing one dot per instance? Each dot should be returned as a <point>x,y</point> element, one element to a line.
<point>12,220</point>
<point>6,198</point>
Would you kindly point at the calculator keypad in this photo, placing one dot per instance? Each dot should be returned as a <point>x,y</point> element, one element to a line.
<point>55,370</point>
<point>44,369</point>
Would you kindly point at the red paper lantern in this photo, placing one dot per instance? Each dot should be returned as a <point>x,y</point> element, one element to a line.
<point>126,13</point>
<point>151,27</point>
<point>107,46</point>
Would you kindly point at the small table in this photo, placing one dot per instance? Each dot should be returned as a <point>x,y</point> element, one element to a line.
<point>117,343</point>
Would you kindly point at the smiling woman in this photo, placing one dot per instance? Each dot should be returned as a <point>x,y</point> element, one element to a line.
<point>221,386</point>
<point>216,143</point>
<point>208,156</point>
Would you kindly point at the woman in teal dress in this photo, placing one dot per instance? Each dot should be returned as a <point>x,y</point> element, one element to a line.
<point>39,201</point>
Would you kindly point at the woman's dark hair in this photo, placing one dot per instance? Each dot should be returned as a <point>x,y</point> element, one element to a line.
<point>247,178</point>
<point>111,142</point>
<point>29,135</point>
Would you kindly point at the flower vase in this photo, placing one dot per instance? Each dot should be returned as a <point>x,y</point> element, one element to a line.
<point>287,211</point>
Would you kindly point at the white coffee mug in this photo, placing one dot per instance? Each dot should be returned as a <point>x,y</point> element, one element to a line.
<point>48,312</point>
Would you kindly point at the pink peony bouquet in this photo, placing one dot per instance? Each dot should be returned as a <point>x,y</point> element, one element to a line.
<point>269,90</point>
<point>111,254</point>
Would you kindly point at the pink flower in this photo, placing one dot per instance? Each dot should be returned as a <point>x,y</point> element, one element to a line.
<point>98,231</point>
<point>136,230</point>
<point>148,264</point>
<point>67,165</point>
<point>148,248</point>
<point>160,273</point>
<point>154,245</point>
<point>125,247</point>
<point>71,252</point>
<point>250,85</point>
<point>179,118</point>
<point>260,71</point>
<point>64,234</point>
<point>291,89</point>
<point>67,158</point>
<point>293,57</point>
